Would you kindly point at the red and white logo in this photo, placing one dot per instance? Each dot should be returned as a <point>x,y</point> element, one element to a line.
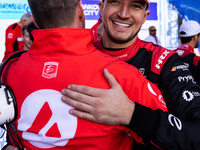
<point>10,35</point>
<point>161,58</point>
<point>50,70</point>
<point>45,121</point>
<point>160,97</point>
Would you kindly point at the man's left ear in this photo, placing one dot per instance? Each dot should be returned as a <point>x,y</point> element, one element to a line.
<point>81,12</point>
<point>196,38</point>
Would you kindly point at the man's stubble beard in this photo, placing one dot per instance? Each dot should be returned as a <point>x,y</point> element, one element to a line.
<point>120,41</point>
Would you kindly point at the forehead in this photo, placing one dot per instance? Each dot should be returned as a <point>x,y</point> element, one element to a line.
<point>152,27</point>
<point>130,1</point>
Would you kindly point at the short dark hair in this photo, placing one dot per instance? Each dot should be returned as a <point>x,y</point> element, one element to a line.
<point>31,26</point>
<point>53,13</point>
<point>23,29</point>
<point>185,39</point>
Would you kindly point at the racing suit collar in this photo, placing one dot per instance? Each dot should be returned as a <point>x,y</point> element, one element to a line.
<point>121,54</point>
<point>186,47</point>
<point>71,41</point>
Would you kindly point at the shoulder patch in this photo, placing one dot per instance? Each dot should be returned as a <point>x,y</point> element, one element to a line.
<point>159,57</point>
<point>14,26</point>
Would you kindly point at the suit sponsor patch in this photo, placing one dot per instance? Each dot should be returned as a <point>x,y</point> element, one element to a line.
<point>50,70</point>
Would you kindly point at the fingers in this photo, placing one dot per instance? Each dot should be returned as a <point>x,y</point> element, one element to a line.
<point>110,78</point>
<point>82,115</point>
<point>10,147</point>
<point>77,104</point>
<point>87,90</point>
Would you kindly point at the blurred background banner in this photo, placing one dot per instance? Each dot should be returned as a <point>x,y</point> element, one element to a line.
<point>91,9</point>
<point>187,9</point>
<point>13,9</point>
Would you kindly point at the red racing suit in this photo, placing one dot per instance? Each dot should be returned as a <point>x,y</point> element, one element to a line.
<point>186,52</point>
<point>179,129</point>
<point>14,41</point>
<point>57,58</point>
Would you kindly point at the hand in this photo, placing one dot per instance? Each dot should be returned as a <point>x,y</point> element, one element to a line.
<point>10,147</point>
<point>106,106</point>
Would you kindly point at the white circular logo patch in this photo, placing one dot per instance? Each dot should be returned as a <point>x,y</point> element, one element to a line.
<point>45,120</point>
<point>188,96</point>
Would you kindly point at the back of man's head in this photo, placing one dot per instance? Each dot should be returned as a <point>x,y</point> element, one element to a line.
<point>53,13</point>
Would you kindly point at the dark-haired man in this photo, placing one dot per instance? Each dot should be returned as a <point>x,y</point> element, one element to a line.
<point>63,53</point>
<point>190,36</point>
<point>122,20</point>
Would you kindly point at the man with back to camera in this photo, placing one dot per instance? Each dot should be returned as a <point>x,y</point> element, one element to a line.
<point>190,36</point>
<point>14,41</point>
<point>122,22</point>
<point>152,36</point>
<point>61,50</point>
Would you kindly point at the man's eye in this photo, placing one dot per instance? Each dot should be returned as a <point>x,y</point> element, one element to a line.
<point>136,6</point>
<point>114,2</point>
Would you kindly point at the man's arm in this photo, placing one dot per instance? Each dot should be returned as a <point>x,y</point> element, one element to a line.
<point>163,131</point>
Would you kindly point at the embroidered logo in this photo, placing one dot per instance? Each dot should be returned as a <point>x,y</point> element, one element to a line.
<point>50,70</point>
<point>160,97</point>
<point>174,120</point>
<point>188,96</point>
<point>10,35</point>
<point>142,70</point>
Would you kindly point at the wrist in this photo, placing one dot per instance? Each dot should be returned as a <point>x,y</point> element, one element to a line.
<point>127,116</point>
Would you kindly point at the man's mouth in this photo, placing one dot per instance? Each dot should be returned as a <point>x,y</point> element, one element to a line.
<point>121,24</point>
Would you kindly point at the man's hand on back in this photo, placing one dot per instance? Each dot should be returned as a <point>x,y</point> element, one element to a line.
<point>106,106</point>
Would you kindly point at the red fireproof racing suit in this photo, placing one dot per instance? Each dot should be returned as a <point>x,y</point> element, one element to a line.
<point>181,129</point>
<point>57,58</point>
<point>14,41</point>
<point>186,52</point>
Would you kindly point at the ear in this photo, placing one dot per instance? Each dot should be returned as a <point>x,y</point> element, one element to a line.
<point>80,11</point>
<point>101,4</point>
<point>196,38</point>
<point>34,22</point>
<point>146,14</point>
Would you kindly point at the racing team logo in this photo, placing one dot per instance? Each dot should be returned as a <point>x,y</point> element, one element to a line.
<point>180,67</point>
<point>44,117</point>
<point>10,35</point>
<point>188,96</point>
<point>50,70</point>
<point>160,97</point>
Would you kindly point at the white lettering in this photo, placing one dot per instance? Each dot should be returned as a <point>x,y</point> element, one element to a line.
<point>186,79</point>
<point>89,6</point>
<point>160,60</point>
<point>91,12</point>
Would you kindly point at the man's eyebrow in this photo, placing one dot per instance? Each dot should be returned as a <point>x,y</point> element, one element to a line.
<point>138,1</point>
